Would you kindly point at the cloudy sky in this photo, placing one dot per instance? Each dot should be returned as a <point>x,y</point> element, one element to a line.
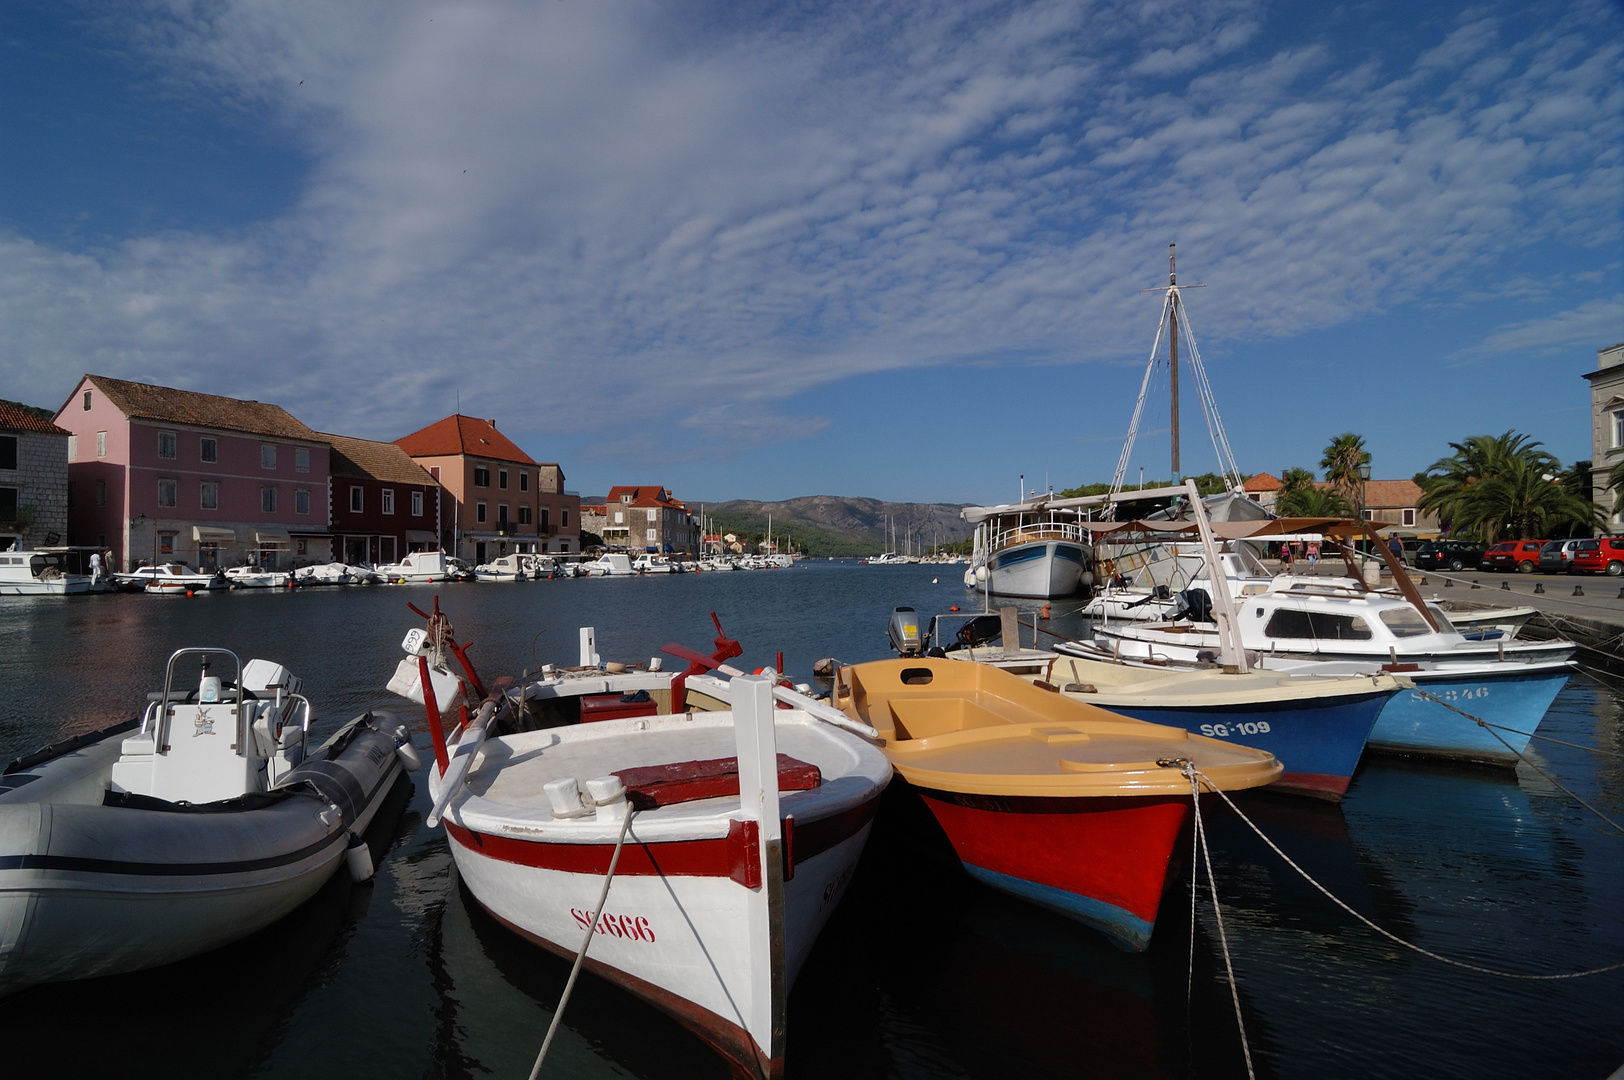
<point>767,250</point>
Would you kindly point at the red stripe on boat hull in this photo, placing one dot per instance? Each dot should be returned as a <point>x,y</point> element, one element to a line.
<point>1117,850</point>
<point>1318,785</point>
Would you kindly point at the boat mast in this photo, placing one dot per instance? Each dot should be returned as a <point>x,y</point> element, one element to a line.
<point>1173,347</point>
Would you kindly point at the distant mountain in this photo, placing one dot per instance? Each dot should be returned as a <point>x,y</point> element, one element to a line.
<point>840,525</point>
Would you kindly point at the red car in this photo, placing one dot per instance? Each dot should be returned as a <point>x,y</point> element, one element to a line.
<point>1519,555</point>
<point>1603,556</point>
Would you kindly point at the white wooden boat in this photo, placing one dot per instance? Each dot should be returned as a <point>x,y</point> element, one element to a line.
<point>504,569</point>
<point>418,567</point>
<point>199,824</point>
<point>252,577</point>
<point>1029,549</point>
<point>45,572</point>
<point>654,564</point>
<point>609,564</point>
<point>725,877</point>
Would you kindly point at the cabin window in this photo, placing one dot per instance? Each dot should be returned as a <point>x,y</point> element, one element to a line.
<point>417,504</point>
<point>166,493</point>
<point>482,476</point>
<point>208,449</point>
<point>166,444</point>
<point>208,495</point>
<point>267,499</point>
<point>524,481</point>
<point>1405,622</point>
<point>479,512</point>
<point>501,478</point>
<point>1317,625</point>
<point>267,456</point>
<point>386,502</point>
<point>301,460</point>
<point>301,503</point>
<point>357,500</point>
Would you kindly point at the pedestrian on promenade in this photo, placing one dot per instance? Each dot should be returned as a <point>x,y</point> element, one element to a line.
<point>1285,557</point>
<point>1312,552</point>
<point>1395,547</point>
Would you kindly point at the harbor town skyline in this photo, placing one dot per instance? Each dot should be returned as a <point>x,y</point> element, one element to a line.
<point>852,251</point>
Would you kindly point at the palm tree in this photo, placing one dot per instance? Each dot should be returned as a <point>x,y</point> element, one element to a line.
<point>1314,502</point>
<point>1293,481</point>
<point>1341,463</point>
<point>1496,484</point>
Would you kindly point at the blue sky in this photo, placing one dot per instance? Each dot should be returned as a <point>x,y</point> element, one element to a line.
<point>767,250</point>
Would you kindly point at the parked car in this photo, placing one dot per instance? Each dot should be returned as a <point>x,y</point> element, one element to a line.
<point>1556,557</point>
<point>1603,556</point>
<point>1522,556</point>
<point>1449,555</point>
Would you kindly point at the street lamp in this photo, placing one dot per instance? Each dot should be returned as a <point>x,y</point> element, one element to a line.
<point>1364,478</point>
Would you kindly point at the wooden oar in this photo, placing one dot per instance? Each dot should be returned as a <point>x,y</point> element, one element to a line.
<point>466,751</point>
<point>788,696</point>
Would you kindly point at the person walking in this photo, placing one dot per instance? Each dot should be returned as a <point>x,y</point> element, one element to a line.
<point>95,568</point>
<point>1395,547</point>
<point>1311,552</point>
<point>1285,557</point>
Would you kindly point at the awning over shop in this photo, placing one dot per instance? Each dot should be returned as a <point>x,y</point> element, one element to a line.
<point>273,537</point>
<point>204,534</point>
<point>419,536</point>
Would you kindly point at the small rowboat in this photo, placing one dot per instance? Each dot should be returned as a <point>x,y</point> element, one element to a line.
<point>1058,802</point>
<point>725,877</point>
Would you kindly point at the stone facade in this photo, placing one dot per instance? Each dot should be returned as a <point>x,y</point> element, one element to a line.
<point>648,518</point>
<point>1607,429</point>
<point>38,487</point>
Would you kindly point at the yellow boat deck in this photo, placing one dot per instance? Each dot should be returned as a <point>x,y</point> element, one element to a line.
<point>978,730</point>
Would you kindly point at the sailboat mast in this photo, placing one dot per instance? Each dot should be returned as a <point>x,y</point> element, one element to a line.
<point>1173,348</point>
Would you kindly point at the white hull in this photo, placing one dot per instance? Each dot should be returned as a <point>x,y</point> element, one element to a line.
<point>1041,570</point>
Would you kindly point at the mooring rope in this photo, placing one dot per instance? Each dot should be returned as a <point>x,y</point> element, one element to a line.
<point>1187,768</point>
<point>1523,757</point>
<point>1189,771</point>
<point>580,955</point>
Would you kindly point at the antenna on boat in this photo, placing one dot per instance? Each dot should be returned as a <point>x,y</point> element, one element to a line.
<point>1175,317</point>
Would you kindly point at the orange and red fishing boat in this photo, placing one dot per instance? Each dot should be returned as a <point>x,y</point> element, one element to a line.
<point>1051,799</point>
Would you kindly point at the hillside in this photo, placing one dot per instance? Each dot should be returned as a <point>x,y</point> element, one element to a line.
<point>839,525</point>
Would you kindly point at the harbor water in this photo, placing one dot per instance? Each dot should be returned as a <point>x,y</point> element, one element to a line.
<point>921,972</point>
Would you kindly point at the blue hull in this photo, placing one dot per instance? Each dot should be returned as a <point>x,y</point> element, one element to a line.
<point>1318,741</point>
<point>1413,725</point>
<point>1125,929</point>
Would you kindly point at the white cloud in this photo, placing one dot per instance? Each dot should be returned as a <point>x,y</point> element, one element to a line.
<point>569,208</point>
<point>1593,324</point>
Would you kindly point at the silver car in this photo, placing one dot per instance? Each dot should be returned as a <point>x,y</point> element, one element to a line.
<point>1556,557</point>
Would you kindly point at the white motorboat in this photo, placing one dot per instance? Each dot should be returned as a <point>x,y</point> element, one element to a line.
<point>654,564</point>
<point>725,878</point>
<point>419,567</point>
<point>322,574</point>
<point>505,568</point>
<point>252,577</point>
<point>609,564</point>
<point>171,579</point>
<point>193,827</point>
<point>1029,549</point>
<point>46,572</point>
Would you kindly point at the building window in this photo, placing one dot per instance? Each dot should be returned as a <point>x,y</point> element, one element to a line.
<point>70,495</point>
<point>301,460</point>
<point>101,444</point>
<point>417,504</point>
<point>524,514</point>
<point>357,500</point>
<point>651,535</point>
<point>524,481</point>
<point>208,495</point>
<point>479,512</point>
<point>208,449</point>
<point>435,472</point>
<point>620,517</point>
<point>166,492</point>
<point>482,476</point>
<point>386,549</point>
<point>101,492</point>
<point>301,504</point>
<point>87,401</point>
<point>543,520</point>
<point>267,499</point>
<point>1407,516</point>
<point>653,514</point>
<point>502,516</point>
<point>302,547</point>
<point>73,448</point>
<point>166,444</point>
<point>501,478</point>
<point>564,518</point>
<point>166,543</point>
<point>267,456</point>
<point>386,502</point>
<point>8,451</point>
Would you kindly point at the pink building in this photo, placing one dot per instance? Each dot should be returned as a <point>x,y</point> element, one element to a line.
<point>156,473</point>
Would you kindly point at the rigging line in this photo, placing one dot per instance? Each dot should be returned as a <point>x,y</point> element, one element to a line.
<point>1523,757</point>
<point>580,955</point>
<point>1304,874</point>
<point>1138,410</point>
<point>1209,403</point>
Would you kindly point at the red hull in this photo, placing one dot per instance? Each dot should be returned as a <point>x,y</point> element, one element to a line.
<point>1316,785</point>
<point>1090,857</point>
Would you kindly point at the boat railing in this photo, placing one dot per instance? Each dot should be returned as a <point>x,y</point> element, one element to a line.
<point>161,732</point>
<point>1039,530</point>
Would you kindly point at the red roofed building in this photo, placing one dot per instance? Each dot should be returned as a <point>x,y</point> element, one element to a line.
<point>497,499</point>
<point>1263,489</point>
<point>647,517</point>
<point>33,478</point>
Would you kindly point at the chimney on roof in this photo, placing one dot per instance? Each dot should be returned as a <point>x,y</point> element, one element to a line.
<point>492,422</point>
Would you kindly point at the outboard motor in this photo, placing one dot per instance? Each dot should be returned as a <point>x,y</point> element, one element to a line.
<point>1196,604</point>
<point>903,630</point>
<point>979,631</point>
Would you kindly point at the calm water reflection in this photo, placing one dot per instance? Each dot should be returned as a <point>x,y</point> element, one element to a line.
<point>921,973</point>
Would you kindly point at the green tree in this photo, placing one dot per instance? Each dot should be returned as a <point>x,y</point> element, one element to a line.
<point>1341,462</point>
<point>1293,482</point>
<point>1496,485</point>
<point>1311,501</point>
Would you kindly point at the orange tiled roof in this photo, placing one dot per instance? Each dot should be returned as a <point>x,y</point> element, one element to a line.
<point>458,434</point>
<point>644,495</point>
<point>15,418</point>
<point>366,459</point>
<point>165,404</point>
<point>1262,482</point>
